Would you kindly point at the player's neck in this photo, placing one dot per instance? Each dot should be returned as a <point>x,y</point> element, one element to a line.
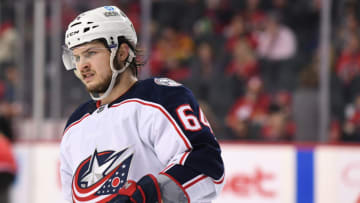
<point>126,81</point>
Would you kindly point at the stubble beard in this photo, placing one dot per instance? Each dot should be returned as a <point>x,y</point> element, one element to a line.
<point>103,85</point>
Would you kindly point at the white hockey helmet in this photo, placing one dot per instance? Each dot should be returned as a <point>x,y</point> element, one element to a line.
<point>108,23</point>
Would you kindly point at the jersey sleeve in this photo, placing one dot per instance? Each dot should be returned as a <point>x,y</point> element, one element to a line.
<point>196,164</point>
<point>65,172</point>
<point>65,168</point>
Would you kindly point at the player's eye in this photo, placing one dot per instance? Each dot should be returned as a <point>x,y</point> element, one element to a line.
<point>89,53</point>
<point>76,58</point>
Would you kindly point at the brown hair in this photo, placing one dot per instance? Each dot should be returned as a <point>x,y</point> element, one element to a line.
<point>137,61</point>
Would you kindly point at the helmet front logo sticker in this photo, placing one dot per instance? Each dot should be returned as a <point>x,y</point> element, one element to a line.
<point>111,13</point>
<point>72,33</point>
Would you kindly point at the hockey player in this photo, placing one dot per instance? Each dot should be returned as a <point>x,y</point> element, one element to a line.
<point>136,140</point>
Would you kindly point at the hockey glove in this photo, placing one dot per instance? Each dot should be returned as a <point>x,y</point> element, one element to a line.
<point>146,190</point>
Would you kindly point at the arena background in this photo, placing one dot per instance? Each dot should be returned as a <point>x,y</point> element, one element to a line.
<point>279,81</point>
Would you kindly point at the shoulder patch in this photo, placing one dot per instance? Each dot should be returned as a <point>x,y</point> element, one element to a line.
<point>166,82</point>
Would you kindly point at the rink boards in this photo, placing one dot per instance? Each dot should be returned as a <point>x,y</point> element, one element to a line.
<point>255,173</point>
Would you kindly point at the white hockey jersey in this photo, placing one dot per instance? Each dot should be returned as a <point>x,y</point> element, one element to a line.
<point>156,127</point>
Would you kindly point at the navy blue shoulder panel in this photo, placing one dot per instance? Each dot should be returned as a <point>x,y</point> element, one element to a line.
<point>87,107</point>
<point>165,92</point>
<point>206,154</point>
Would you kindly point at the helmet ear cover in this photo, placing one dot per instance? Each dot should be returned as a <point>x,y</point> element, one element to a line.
<point>122,40</point>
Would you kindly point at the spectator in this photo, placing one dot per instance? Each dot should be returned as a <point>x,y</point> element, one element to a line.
<point>348,28</point>
<point>277,126</point>
<point>254,15</point>
<point>249,111</point>
<point>9,105</point>
<point>276,41</point>
<point>242,66</point>
<point>348,67</point>
<point>8,39</point>
<point>243,129</point>
<point>243,63</point>
<point>237,31</point>
<point>283,99</point>
<point>215,97</point>
<point>218,13</point>
<point>174,69</point>
<point>171,54</point>
<point>11,82</point>
<point>351,127</point>
<point>276,50</point>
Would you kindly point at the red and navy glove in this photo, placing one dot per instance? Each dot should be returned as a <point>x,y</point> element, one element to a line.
<point>146,190</point>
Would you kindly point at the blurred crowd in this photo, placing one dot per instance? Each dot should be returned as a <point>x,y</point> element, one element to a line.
<point>8,77</point>
<point>9,107</point>
<point>253,65</point>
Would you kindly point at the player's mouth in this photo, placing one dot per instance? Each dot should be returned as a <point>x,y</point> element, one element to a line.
<point>88,76</point>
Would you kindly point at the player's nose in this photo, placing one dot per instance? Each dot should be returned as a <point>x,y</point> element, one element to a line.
<point>83,65</point>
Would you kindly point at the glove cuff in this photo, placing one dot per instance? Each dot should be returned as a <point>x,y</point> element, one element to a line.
<point>149,186</point>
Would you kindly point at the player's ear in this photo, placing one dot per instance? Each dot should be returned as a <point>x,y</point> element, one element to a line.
<point>123,52</point>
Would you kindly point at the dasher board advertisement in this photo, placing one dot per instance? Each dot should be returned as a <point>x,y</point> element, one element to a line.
<point>258,173</point>
<point>254,173</point>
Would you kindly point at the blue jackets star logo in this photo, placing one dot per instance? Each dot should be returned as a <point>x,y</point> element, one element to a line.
<point>100,176</point>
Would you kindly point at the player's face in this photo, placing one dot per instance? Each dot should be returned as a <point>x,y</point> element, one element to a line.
<point>93,66</point>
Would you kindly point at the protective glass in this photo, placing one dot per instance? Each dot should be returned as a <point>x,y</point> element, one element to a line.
<point>70,60</point>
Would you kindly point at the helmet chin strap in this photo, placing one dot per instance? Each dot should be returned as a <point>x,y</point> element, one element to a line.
<point>115,72</point>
